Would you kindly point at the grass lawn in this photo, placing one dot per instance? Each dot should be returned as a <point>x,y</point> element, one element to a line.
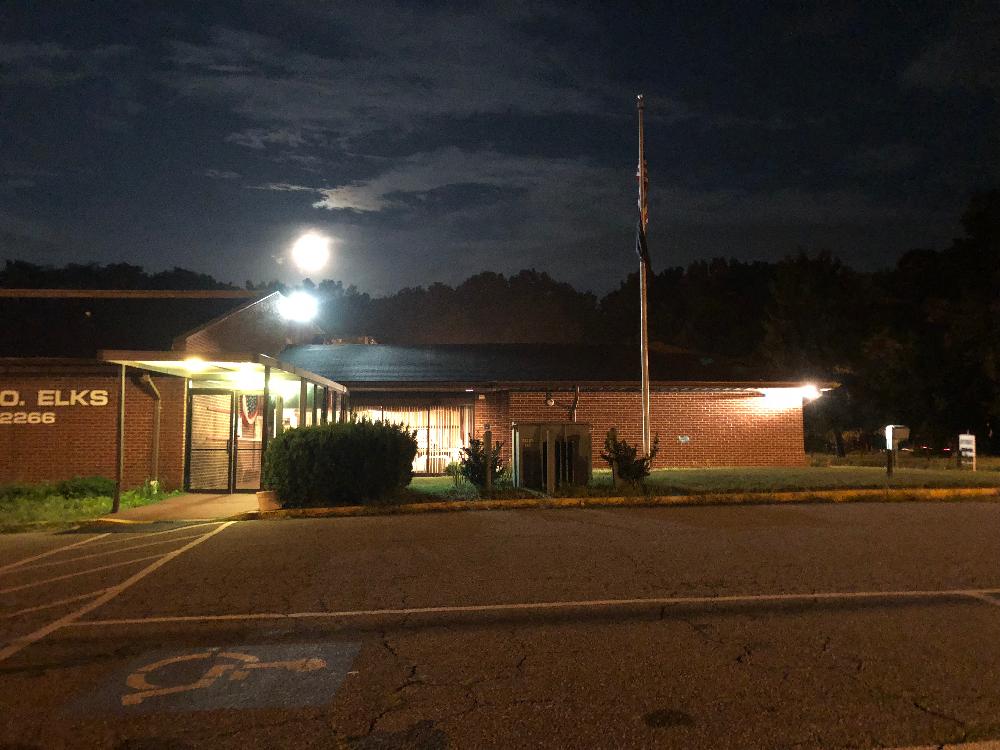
<point>30,511</point>
<point>743,479</point>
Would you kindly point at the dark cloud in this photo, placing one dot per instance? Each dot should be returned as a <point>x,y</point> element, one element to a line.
<point>437,140</point>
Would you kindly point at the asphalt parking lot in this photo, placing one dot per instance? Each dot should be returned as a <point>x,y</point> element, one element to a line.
<point>868,625</point>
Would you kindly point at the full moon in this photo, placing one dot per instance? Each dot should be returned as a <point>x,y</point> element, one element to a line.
<point>311,252</point>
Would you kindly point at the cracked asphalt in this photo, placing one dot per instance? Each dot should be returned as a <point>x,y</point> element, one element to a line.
<point>624,647</point>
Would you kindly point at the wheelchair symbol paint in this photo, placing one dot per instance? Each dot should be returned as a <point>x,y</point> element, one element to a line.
<point>229,666</point>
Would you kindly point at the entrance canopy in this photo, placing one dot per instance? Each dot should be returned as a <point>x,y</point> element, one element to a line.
<point>240,371</point>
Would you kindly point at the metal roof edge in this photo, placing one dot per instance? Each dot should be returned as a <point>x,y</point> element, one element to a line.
<point>49,293</point>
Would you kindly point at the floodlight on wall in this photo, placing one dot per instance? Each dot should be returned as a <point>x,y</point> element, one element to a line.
<point>298,307</point>
<point>788,398</point>
<point>810,392</point>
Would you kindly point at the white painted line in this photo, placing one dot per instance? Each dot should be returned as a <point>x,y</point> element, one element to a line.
<point>107,552</point>
<point>26,640</point>
<point>19,563</point>
<point>986,598</point>
<point>78,573</point>
<point>50,605</point>
<point>536,606</point>
<point>154,533</point>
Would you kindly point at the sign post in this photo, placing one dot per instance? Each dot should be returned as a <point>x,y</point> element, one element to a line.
<point>967,451</point>
<point>894,435</point>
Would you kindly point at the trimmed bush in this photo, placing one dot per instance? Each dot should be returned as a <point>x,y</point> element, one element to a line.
<point>624,460</point>
<point>475,461</point>
<point>339,464</point>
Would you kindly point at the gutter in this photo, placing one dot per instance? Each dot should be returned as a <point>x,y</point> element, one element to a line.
<point>154,447</point>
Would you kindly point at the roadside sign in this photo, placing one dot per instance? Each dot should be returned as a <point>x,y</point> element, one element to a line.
<point>967,450</point>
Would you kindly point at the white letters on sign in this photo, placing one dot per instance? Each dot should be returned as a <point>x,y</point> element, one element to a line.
<point>47,397</point>
<point>74,397</point>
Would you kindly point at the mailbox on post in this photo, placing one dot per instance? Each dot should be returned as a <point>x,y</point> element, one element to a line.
<point>894,435</point>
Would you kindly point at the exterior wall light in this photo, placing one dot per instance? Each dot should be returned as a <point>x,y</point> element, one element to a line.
<point>298,307</point>
<point>195,364</point>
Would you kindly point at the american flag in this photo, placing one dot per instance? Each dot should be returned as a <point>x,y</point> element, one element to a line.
<point>249,409</point>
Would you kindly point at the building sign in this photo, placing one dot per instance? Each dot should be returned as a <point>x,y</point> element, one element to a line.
<point>967,451</point>
<point>20,407</point>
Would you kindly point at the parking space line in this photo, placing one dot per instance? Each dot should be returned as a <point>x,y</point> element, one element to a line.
<point>157,533</point>
<point>50,605</point>
<point>51,563</point>
<point>26,640</point>
<point>76,574</point>
<point>976,594</point>
<point>19,563</point>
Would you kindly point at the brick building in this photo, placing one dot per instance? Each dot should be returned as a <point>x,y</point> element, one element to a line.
<point>706,412</point>
<point>136,385</point>
<point>188,387</point>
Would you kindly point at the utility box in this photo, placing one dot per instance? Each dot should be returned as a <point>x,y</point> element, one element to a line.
<point>550,455</point>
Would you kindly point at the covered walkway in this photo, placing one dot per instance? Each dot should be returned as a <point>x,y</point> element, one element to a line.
<point>191,506</point>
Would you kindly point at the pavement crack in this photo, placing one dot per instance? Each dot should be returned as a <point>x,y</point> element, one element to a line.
<point>388,646</point>
<point>938,714</point>
<point>702,630</point>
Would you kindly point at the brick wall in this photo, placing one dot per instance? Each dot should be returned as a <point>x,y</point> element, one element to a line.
<point>493,409</point>
<point>723,429</point>
<point>81,441</point>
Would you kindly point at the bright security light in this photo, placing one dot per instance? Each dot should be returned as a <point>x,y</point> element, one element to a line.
<point>311,252</point>
<point>195,364</point>
<point>810,392</point>
<point>298,307</point>
<point>788,398</point>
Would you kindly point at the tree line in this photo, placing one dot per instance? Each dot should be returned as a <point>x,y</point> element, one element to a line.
<point>917,344</point>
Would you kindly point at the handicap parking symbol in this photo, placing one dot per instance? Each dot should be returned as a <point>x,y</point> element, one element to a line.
<point>260,676</point>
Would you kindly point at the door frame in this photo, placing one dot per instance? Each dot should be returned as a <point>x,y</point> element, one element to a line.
<point>231,451</point>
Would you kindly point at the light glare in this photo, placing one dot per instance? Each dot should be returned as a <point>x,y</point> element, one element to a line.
<point>810,392</point>
<point>298,307</point>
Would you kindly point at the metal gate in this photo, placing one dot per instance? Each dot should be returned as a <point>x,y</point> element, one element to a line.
<point>211,438</point>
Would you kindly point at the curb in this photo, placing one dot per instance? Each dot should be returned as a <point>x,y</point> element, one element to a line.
<point>727,498</point>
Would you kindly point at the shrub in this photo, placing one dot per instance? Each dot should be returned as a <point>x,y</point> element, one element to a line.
<point>474,462</point>
<point>624,460</point>
<point>85,487</point>
<point>73,489</point>
<point>339,464</point>
<point>454,470</point>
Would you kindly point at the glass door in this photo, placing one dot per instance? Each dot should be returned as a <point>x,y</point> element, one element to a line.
<point>249,437</point>
<point>210,441</point>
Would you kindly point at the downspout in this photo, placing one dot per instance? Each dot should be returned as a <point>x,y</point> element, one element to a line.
<point>154,447</point>
<point>120,471</point>
<point>576,402</point>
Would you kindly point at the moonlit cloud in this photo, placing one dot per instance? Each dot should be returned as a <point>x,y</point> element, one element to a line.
<point>435,140</point>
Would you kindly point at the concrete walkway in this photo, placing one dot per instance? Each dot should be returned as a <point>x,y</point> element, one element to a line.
<point>191,506</point>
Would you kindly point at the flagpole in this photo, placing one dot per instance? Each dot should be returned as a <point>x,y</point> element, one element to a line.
<point>647,440</point>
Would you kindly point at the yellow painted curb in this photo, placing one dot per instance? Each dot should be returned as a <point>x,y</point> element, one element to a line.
<point>915,494</point>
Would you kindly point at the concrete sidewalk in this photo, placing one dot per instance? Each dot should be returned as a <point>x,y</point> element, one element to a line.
<point>191,506</point>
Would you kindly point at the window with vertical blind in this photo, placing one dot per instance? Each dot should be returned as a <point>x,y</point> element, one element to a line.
<point>442,431</point>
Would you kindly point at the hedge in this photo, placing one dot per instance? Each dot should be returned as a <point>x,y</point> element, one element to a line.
<point>344,463</point>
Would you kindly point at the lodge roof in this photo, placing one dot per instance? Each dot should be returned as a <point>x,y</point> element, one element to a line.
<point>359,365</point>
<point>79,323</point>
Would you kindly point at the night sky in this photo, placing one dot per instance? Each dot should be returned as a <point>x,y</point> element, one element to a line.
<point>437,140</point>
